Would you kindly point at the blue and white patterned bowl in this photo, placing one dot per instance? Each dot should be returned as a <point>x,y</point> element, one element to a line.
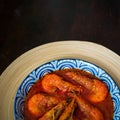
<point>58,65</point>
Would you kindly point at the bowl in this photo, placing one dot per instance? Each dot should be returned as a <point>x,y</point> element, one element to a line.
<point>18,77</point>
<point>59,64</point>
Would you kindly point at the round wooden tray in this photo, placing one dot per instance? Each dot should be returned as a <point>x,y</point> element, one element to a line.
<point>16,72</point>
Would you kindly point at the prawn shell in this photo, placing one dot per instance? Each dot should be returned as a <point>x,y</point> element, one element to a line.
<point>38,104</point>
<point>89,109</point>
<point>54,84</point>
<point>93,88</point>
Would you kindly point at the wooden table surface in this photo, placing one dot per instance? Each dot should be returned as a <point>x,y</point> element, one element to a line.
<point>26,24</point>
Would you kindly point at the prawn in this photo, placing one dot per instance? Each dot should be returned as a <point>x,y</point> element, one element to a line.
<point>97,90</point>
<point>91,112</point>
<point>55,112</point>
<point>39,103</point>
<point>68,112</point>
<point>53,83</point>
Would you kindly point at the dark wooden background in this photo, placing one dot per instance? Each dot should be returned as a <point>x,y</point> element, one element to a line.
<point>25,24</point>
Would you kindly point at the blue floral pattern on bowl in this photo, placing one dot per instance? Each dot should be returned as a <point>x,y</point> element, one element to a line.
<point>62,64</point>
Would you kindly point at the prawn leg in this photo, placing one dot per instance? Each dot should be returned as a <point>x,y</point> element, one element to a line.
<point>97,90</point>
<point>55,112</point>
<point>68,112</point>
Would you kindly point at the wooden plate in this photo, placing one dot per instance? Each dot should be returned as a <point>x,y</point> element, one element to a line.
<point>16,72</point>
